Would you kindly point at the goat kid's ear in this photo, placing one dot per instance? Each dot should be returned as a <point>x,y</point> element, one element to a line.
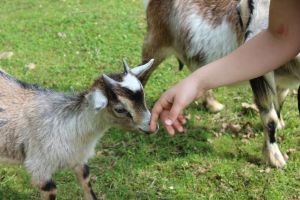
<point>142,70</point>
<point>97,99</point>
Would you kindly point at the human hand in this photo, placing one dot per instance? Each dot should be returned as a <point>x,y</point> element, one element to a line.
<point>170,105</point>
<point>177,124</point>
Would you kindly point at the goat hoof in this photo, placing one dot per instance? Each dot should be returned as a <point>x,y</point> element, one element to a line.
<point>274,157</point>
<point>214,106</point>
<point>280,124</point>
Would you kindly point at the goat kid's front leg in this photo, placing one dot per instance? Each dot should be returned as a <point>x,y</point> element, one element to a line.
<point>83,176</point>
<point>48,190</point>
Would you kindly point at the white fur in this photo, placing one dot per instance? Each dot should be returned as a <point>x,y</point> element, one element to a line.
<point>67,143</point>
<point>131,82</point>
<point>214,42</point>
<point>270,116</point>
<point>260,17</point>
<point>274,156</point>
<point>211,40</point>
<point>99,100</point>
<point>144,126</point>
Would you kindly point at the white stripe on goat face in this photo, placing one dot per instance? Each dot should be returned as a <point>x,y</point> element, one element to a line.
<point>131,82</point>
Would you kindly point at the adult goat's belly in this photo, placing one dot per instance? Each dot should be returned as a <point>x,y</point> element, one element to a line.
<point>199,42</point>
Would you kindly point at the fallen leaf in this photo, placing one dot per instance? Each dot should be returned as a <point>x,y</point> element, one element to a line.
<point>6,55</point>
<point>197,117</point>
<point>61,35</point>
<point>171,187</point>
<point>104,152</point>
<point>248,106</point>
<point>30,66</point>
<point>290,151</point>
<point>234,128</point>
<point>249,133</point>
<point>209,141</point>
<point>217,134</point>
<point>188,117</point>
<point>267,170</point>
<point>245,141</point>
<point>94,178</point>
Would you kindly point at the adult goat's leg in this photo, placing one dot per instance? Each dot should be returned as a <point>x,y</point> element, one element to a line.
<point>265,96</point>
<point>211,103</point>
<point>155,46</point>
<point>281,95</point>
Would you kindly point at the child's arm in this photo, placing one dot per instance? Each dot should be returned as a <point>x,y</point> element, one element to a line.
<point>265,52</point>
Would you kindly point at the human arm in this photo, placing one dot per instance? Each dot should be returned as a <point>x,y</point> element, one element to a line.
<point>265,52</point>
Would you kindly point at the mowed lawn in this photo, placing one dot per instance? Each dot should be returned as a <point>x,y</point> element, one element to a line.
<point>65,44</point>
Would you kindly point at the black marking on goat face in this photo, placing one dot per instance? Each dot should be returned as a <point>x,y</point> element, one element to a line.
<point>49,186</point>
<point>271,131</point>
<point>136,97</point>
<point>2,110</point>
<point>85,171</point>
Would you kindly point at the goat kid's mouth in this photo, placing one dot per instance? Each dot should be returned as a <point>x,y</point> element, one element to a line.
<point>147,131</point>
<point>144,131</point>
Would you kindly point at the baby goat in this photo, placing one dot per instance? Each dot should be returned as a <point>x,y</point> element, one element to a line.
<point>48,130</point>
<point>198,32</point>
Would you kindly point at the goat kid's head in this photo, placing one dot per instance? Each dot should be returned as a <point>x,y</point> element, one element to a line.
<point>121,96</point>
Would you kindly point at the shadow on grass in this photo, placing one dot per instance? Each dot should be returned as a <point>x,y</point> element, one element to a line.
<point>242,156</point>
<point>141,150</point>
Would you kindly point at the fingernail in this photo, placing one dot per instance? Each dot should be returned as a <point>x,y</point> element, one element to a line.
<point>180,129</point>
<point>168,122</point>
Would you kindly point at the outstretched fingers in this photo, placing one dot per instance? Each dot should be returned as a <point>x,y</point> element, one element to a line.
<point>162,104</point>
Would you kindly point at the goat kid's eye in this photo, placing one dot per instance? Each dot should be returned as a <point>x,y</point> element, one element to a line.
<point>120,110</point>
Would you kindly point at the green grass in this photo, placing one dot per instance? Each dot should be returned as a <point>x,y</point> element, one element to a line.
<point>197,165</point>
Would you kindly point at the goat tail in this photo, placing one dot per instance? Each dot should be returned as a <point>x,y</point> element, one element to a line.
<point>298,97</point>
